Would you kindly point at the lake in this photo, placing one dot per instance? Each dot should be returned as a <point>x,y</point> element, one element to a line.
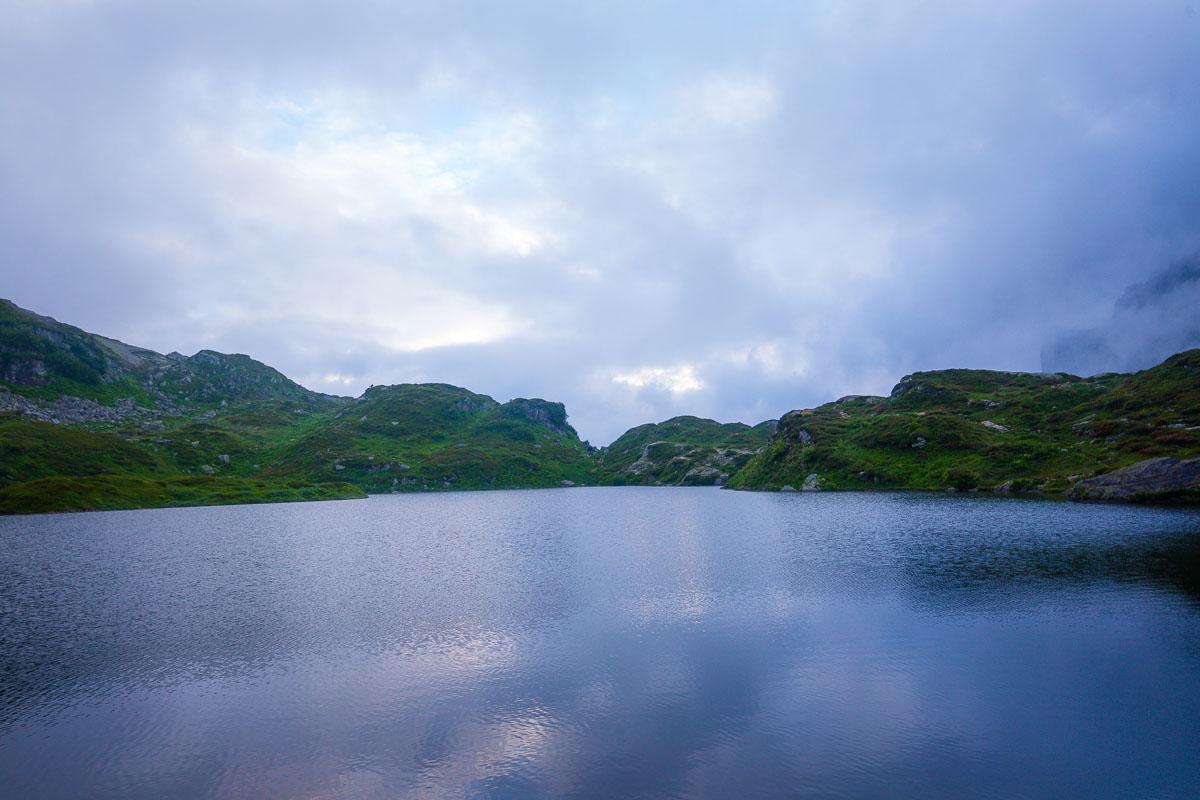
<point>603,643</point>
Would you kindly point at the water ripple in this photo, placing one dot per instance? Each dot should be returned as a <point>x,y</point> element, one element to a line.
<point>603,643</point>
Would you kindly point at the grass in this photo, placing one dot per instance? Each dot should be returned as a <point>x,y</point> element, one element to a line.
<point>31,450</point>
<point>681,451</point>
<point>426,437</point>
<point>112,492</point>
<point>231,429</point>
<point>973,429</point>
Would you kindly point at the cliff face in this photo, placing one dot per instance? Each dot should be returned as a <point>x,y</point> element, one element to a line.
<point>996,431</point>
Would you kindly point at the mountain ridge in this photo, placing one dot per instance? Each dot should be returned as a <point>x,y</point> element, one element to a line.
<point>983,430</point>
<point>149,428</point>
<point>87,422</point>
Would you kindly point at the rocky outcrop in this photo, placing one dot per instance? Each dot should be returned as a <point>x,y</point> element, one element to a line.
<point>552,415</point>
<point>704,475</point>
<point>74,410</point>
<point>1153,480</point>
<point>684,466</point>
<point>645,462</point>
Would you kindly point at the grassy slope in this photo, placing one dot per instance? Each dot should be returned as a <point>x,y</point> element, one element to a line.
<point>417,437</point>
<point>405,438</point>
<point>681,451</point>
<point>931,432</point>
<point>45,467</point>
<point>33,450</point>
<point>231,427</point>
<point>110,492</point>
<point>235,430</point>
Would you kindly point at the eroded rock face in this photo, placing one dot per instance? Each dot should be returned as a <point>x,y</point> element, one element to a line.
<point>1154,479</point>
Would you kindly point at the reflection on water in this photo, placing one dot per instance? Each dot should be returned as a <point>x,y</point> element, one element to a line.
<point>603,643</point>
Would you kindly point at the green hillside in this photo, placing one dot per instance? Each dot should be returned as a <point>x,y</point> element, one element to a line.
<point>415,437</point>
<point>975,429</point>
<point>88,422</point>
<point>683,451</point>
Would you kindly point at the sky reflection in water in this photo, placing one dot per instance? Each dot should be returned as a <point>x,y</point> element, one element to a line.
<point>603,643</point>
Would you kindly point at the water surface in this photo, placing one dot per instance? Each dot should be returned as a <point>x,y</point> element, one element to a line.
<point>603,643</point>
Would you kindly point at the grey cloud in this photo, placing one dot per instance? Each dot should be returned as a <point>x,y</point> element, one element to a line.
<point>787,203</point>
<point>1174,279</point>
<point>1150,320</point>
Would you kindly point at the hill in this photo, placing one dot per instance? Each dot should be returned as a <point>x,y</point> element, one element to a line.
<point>42,359</point>
<point>90,422</point>
<point>416,437</point>
<point>682,451</point>
<point>997,431</point>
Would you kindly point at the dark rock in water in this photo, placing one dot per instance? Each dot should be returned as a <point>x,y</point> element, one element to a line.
<point>1162,479</point>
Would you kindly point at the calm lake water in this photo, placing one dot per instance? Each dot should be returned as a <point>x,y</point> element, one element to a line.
<point>603,643</point>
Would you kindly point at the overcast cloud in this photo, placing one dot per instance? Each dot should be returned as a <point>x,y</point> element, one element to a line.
<point>641,210</point>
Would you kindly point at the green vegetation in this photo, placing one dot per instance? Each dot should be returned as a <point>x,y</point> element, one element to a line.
<point>109,492</point>
<point>422,437</point>
<point>33,450</point>
<point>42,358</point>
<point>998,431</point>
<point>91,423</point>
<point>683,451</point>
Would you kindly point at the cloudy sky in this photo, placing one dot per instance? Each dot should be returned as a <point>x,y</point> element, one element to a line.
<point>642,210</point>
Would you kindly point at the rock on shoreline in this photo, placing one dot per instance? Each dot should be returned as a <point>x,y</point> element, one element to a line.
<point>1153,480</point>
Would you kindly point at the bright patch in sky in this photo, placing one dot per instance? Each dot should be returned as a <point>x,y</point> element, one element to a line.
<point>672,379</point>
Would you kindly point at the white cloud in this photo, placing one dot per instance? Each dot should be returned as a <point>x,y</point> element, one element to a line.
<point>356,230</point>
<point>676,379</point>
<point>736,101</point>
